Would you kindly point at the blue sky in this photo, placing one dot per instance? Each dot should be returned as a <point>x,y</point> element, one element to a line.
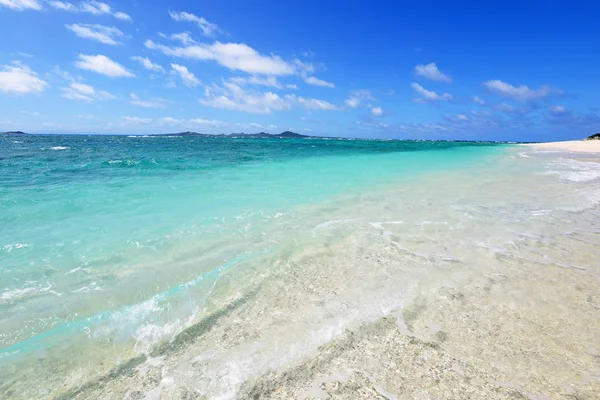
<point>483,70</point>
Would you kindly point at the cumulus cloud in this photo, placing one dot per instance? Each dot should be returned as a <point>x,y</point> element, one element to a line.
<point>151,103</point>
<point>357,97</point>
<point>311,104</point>
<point>183,37</point>
<point>234,97</point>
<point>519,93</point>
<point>431,71</point>
<point>478,100</point>
<point>557,109</point>
<point>170,121</point>
<point>135,121</point>
<point>377,111</point>
<point>206,122</point>
<point>83,92</point>
<point>303,68</point>
<point>270,81</point>
<point>428,95</point>
<point>21,5</point>
<point>235,56</point>
<point>63,5</point>
<point>311,80</point>
<point>208,28</point>
<point>89,7</point>
<point>102,65</point>
<point>20,79</point>
<point>99,33</point>
<point>149,65</point>
<point>122,16</point>
<point>188,78</point>
<point>95,7</point>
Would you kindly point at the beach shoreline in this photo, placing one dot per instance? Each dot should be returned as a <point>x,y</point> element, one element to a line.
<point>578,146</point>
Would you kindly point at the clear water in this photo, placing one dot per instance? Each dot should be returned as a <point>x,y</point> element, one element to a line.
<point>112,246</point>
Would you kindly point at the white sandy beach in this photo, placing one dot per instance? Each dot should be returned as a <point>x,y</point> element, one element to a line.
<point>585,146</point>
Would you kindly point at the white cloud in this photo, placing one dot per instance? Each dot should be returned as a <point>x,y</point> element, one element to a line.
<point>557,109</point>
<point>235,56</point>
<point>188,78</point>
<point>21,5</point>
<point>519,93</point>
<point>207,28</point>
<point>312,104</point>
<point>303,68</point>
<point>99,33</point>
<point>431,71</point>
<point>207,122</point>
<point>95,7</point>
<point>122,16</point>
<point>462,117</point>
<point>170,121</point>
<point>146,63</point>
<point>20,79</point>
<point>62,74</point>
<point>152,103</point>
<point>428,95</point>
<point>291,86</point>
<point>270,81</point>
<point>311,80</point>
<point>135,121</point>
<point>478,100</point>
<point>234,97</point>
<point>89,7</point>
<point>357,97</point>
<point>353,102</point>
<point>376,124</point>
<point>81,91</point>
<point>102,65</point>
<point>183,37</point>
<point>62,5</point>
<point>377,111</point>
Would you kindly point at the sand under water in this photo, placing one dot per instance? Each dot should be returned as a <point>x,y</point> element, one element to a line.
<point>477,280</point>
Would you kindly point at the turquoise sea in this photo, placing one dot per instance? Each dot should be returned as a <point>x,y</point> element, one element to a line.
<point>113,247</point>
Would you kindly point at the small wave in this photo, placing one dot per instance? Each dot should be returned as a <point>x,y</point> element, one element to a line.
<point>59,148</point>
<point>335,222</point>
<point>10,247</point>
<point>91,288</point>
<point>575,171</point>
<point>11,295</point>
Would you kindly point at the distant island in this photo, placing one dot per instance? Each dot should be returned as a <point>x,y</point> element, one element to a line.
<point>262,135</point>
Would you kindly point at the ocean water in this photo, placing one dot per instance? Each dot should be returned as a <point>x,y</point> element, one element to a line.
<point>120,252</point>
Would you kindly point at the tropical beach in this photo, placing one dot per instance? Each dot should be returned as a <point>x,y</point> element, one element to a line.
<point>299,200</point>
<point>427,281</point>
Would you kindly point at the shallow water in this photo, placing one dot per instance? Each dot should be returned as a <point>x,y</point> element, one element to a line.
<point>223,259</point>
